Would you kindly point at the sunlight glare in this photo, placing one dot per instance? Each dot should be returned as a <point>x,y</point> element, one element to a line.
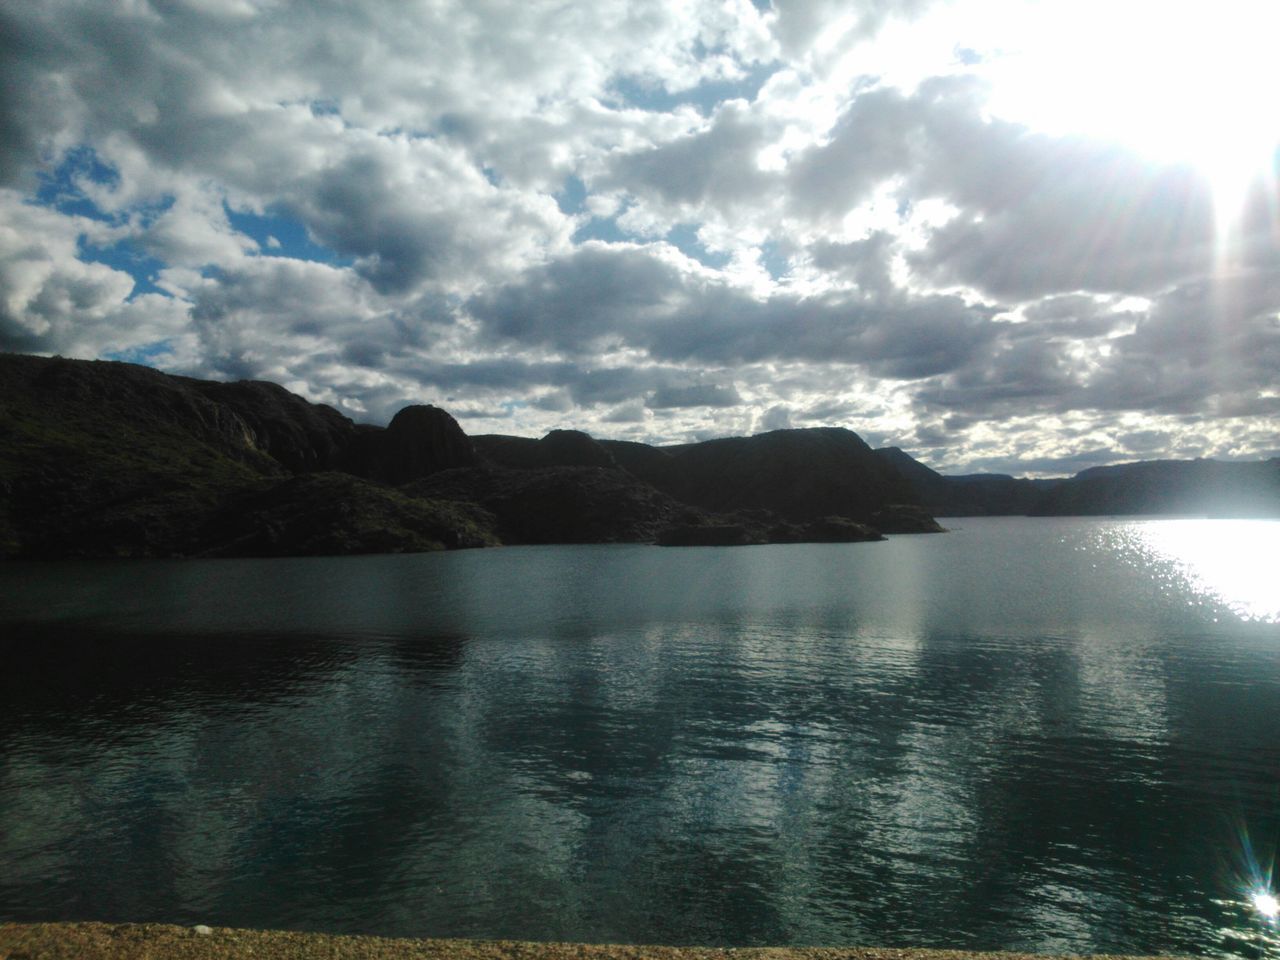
<point>1266,904</point>
<point>1189,82</point>
<point>1233,562</point>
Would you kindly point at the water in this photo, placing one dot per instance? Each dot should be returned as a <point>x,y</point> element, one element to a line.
<point>1051,735</point>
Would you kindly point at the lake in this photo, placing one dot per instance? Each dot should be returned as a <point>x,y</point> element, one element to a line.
<point>1031,734</point>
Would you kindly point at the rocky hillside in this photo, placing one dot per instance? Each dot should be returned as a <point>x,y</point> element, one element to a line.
<point>101,459</point>
<point>110,459</point>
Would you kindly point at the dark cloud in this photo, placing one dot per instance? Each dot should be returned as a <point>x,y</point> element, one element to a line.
<point>626,413</point>
<point>717,165</point>
<point>864,262</point>
<point>694,395</point>
<point>872,141</point>
<point>1203,347</point>
<point>1075,316</point>
<point>602,296</point>
<point>1016,377</point>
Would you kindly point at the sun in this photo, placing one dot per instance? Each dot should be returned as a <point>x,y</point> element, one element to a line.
<point>1189,82</point>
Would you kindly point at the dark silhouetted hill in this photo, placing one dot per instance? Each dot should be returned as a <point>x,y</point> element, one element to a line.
<point>970,495</point>
<point>559,448</point>
<point>561,504</point>
<point>796,474</point>
<point>1198,487</point>
<point>101,459</point>
<point>104,459</point>
<point>1151,487</point>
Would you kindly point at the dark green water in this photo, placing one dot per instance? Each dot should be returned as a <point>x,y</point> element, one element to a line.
<point>1054,735</point>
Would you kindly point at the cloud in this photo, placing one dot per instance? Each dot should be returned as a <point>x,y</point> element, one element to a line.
<point>663,220</point>
<point>799,23</point>
<point>694,395</point>
<point>53,301</point>
<point>638,297</point>
<point>776,418</point>
<point>717,165</point>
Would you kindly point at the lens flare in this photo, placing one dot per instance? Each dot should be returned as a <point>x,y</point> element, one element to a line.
<point>1266,904</point>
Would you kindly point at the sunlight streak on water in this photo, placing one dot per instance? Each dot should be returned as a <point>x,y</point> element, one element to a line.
<point>1233,562</point>
<point>1267,905</point>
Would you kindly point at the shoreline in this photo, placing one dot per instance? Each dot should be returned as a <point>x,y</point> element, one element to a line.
<point>117,941</point>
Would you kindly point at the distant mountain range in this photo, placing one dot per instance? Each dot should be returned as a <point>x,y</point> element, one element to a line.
<point>1208,488</point>
<point>103,459</point>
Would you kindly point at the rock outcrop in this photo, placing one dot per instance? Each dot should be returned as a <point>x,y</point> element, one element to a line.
<point>419,441</point>
<point>559,448</point>
<point>300,436</point>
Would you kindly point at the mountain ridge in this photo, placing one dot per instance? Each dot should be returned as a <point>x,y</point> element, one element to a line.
<point>107,459</point>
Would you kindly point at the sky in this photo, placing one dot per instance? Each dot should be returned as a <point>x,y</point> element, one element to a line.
<point>1024,236</point>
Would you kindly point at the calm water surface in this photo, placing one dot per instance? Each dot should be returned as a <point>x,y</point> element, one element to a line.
<point>1054,735</point>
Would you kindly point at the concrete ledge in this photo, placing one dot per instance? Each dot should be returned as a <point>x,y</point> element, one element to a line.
<point>156,941</point>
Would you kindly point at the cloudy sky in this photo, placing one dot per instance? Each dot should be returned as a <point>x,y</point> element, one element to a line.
<point>1021,235</point>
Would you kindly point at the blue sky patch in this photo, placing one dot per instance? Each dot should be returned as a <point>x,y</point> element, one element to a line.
<point>289,235</point>
<point>146,354</point>
<point>684,237</point>
<point>773,261</point>
<point>572,197</point>
<point>600,228</point>
<point>126,256</point>
<point>60,187</point>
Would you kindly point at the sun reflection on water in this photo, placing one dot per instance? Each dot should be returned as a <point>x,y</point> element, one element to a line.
<point>1233,562</point>
<point>1266,904</point>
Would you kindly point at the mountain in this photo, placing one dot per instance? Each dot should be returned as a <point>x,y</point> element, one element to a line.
<point>782,486</point>
<point>770,487</point>
<point>559,448</point>
<point>104,459</point>
<point>101,459</point>
<point>1199,487</point>
<point>797,474</point>
<point>970,495</point>
<point>1195,487</point>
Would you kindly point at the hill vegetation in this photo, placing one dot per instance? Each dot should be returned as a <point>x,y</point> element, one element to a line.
<point>103,459</point>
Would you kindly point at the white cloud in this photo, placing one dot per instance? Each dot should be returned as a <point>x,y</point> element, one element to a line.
<point>53,301</point>
<point>871,232</point>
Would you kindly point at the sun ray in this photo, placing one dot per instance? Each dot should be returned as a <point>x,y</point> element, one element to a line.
<point>1177,83</point>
